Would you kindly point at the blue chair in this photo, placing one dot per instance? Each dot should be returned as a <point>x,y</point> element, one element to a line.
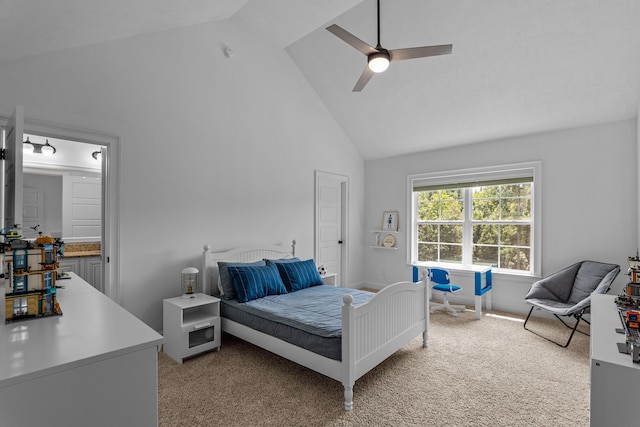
<point>439,281</point>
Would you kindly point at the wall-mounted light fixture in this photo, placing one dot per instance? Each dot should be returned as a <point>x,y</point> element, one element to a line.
<point>97,155</point>
<point>33,147</point>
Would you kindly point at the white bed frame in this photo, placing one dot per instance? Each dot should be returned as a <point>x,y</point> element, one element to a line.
<point>371,332</point>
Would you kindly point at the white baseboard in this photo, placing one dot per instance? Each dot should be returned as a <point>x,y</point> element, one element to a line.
<point>372,285</point>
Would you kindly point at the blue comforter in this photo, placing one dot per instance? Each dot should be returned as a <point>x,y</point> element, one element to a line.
<point>316,310</point>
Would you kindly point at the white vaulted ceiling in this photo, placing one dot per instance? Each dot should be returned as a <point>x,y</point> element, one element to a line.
<point>517,67</point>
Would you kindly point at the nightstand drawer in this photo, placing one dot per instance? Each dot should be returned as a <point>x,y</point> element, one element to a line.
<point>199,337</point>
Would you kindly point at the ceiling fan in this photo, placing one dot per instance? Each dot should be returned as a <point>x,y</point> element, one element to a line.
<point>378,58</point>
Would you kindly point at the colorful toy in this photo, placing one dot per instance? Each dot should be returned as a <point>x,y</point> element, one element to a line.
<point>30,277</point>
<point>628,303</point>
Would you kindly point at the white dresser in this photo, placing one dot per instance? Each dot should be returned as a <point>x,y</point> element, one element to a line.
<point>614,377</point>
<point>96,365</point>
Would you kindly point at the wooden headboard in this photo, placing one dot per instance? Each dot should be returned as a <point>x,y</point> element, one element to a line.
<point>242,254</point>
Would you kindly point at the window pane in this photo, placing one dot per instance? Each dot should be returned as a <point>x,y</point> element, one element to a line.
<point>516,208</point>
<point>452,194</point>
<point>427,232</point>
<point>451,233</point>
<point>516,190</point>
<point>486,209</point>
<point>427,252</point>
<point>486,192</point>
<point>486,234</point>
<point>451,253</point>
<point>452,210</point>
<point>515,258</point>
<point>516,235</point>
<point>485,255</point>
<point>428,211</point>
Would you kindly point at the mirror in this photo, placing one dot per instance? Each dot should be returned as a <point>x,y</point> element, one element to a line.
<point>62,191</point>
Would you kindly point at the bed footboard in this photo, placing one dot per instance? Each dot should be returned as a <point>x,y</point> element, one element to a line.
<point>373,331</point>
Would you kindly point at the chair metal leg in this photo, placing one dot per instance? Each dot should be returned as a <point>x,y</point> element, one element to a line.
<point>574,328</point>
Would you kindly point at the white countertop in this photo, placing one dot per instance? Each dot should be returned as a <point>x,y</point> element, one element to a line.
<point>604,321</point>
<point>92,328</point>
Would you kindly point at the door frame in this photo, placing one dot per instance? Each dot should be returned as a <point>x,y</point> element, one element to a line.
<point>110,244</point>
<point>344,220</point>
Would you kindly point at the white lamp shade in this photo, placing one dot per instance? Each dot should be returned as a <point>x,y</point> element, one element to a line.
<point>47,150</point>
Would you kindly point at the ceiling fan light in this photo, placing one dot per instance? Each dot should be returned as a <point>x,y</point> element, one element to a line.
<point>378,62</point>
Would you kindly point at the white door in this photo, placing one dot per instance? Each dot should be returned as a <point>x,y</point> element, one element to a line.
<point>109,210</point>
<point>13,169</point>
<point>82,197</point>
<point>32,212</point>
<point>105,247</point>
<point>331,224</point>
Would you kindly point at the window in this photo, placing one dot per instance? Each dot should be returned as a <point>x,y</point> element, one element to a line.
<point>48,280</point>
<point>480,217</point>
<point>20,306</point>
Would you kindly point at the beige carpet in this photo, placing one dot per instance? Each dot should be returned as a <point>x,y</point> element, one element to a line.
<point>488,372</point>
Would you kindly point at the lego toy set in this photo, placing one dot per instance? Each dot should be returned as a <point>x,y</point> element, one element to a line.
<point>30,273</point>
<point>628,303</point>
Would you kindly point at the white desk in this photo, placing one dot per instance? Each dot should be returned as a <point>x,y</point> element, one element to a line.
<point>479,290</point>
<point>94,365</point>
<point>614,376</point>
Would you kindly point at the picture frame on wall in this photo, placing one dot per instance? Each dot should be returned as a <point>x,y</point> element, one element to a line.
<point>390,221</point>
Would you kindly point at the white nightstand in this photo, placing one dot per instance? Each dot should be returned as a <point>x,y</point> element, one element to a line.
<point>191,326</point>
<point>329,279</point>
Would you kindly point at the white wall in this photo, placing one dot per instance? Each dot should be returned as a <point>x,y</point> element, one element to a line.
<point>589,201</point>
<point>213,150</point>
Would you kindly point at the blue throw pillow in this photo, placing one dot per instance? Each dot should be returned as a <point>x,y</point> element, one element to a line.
<point>225,281</point>
<point>299,275</point>
<point>281,260</point>
<point>250,283</point>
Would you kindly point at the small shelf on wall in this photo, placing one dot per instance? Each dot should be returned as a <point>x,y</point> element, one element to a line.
<point>394,248</point>
<point>384,239</point>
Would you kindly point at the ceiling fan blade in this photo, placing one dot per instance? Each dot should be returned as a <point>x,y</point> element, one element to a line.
<point>364,79</point>
<point>420,52</point>
<point>351,39</point>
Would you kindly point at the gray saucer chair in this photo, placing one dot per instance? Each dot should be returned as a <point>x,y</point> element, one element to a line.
<point>568,292</point>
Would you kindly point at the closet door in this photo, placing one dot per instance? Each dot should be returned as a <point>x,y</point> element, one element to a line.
<point>330,214</point>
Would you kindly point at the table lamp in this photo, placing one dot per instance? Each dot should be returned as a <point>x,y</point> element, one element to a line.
<point>190,282</point>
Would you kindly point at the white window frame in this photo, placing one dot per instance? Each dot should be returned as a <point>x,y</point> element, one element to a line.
<point>488,173</point>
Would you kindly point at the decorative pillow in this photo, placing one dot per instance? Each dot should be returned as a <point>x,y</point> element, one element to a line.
<point>281,260</point>
<point>299,275</point>
<point>225,283</point>
<point>250,283</point>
